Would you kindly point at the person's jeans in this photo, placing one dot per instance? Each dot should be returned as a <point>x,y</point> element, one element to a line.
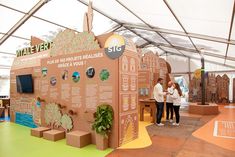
<point>177,114</point>
<point>160,107</point>
<point>169,110</point>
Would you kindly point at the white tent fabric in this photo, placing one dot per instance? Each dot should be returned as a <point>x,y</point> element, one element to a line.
<point>179,27</point>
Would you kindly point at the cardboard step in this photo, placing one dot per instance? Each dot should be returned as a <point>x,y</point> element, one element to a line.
<point>54,135</point>
<point>38,132</point>
<point>78,138</point>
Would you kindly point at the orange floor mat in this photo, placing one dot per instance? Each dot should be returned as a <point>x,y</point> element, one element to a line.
<point>220,130</point>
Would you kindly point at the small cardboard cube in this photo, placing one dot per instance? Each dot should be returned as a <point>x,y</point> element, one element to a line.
<point>38,132</point>
<point>78,138</point>
<point>54,135</point>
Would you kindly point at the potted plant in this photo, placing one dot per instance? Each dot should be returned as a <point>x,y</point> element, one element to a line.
<point>102,125</point>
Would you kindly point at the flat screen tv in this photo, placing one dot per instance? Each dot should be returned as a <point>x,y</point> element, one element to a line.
<point>24,83</point>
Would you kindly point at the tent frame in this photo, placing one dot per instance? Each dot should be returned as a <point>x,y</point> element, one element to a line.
<point>131,27</point>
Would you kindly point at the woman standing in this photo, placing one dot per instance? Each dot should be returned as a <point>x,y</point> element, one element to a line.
<point>169,102</point>
<point>176,96</point>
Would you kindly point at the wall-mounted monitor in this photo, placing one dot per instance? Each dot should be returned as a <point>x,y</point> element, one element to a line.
<point>24,83</point>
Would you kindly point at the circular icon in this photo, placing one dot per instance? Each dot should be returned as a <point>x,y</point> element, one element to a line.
<point>76,76</point>
<point>104,74</point>
<point>38,104</point>
<point>65,75</point>
<point>197,73</point>
<point>53,81</point>
<point>44,71</point>
<point>114,46</point>
<point>90,72</point>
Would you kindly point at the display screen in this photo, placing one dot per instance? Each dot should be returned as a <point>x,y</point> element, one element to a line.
<point>24,83</point>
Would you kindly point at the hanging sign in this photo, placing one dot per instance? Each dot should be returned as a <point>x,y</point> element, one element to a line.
<point>197,73</point>
<point>114,46</point>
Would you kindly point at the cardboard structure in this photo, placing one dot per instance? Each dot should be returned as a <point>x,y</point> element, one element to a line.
<point>78,74</point>
<point>38,132</point>
<point>217,89</point>
<point>150,69</point>
<point>53,135</point>
<point>211,109</point>
<point>78,138</point>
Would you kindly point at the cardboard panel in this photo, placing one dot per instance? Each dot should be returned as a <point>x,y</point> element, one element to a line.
<point>128,97</point>
<point>217,89</point>
<point>144,84</point>
<point>80,90</point>
<point>22,102</point>
<point>29,61</point>
<point>128,127</point>
<point>163,71</point>
<point>35,41</point>
<point>151,68</point>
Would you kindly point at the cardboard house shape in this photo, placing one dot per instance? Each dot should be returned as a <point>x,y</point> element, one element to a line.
<point>151,67</point>
<point>77,73</point>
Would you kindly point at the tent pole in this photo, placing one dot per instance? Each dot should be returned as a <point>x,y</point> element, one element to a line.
<point>189,69</point>
<point>203,80</point>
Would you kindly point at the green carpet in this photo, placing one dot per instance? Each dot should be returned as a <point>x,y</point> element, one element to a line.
<point>15,141</point>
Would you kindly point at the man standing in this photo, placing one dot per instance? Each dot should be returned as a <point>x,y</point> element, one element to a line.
<point>159,100</point>
<point>169,102</point>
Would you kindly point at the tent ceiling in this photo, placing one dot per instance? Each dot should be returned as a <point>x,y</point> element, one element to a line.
<point>180,27</point>
<point>209,17</point>
<point>151,36</point>
<point>177,40</point>
<point>153,12</point>
<point>231,50</point>
<point>210,46</point>
<point>173,32</point>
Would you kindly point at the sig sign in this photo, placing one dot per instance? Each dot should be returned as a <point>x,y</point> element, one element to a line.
<point>114,46</point>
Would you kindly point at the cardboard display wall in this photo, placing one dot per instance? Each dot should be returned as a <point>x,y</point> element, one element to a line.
<point>217,89</point>
<point>150,69</point>
<point>128,97</point>
<point>223,89</point>
<point>80,81</point>
<point>148,72</point>
<point>144,82</point>
<point>195,90</point>
<point>163,72</point>
<point>77,72</point>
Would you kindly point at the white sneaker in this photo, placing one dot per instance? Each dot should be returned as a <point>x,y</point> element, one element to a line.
<point>160,124</point>
<point>171,121</point>
<point>176,124</point>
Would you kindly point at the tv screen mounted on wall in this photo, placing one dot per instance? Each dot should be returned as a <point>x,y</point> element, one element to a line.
<point>24,83</point>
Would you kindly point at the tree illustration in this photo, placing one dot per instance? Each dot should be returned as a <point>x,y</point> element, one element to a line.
<point>66,122</point>
<point>52,115</point>
<point>36,113</point>
<point>69,41</point>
